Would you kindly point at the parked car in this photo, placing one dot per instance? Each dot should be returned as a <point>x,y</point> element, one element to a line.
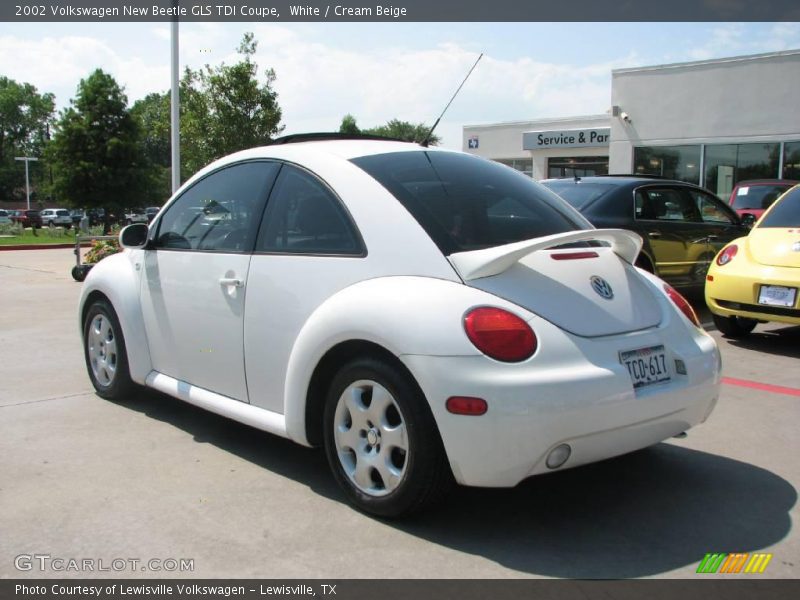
<point>683,226</point>
<point>4,218</point>
<point>77,215</point>
<point>96,216</point>
<point>27,218</point>
<point>756,278</point>
<point>52,217</point>
<point>134,215</point>
<point>751,198</point>
<point>151,212</point>
<point>424,315</point>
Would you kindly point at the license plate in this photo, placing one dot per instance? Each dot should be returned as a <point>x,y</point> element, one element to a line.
<point>646,366</point>
<point>777,295</point>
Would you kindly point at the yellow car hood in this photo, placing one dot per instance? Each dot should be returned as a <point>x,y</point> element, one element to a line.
<point>774,246</point>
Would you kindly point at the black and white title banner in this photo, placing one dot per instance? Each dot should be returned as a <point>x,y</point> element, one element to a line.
<point>398,10</point>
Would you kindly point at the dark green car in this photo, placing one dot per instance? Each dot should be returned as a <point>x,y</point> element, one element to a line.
<point>683,226</point>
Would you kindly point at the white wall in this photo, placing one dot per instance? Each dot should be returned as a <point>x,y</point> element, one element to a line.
<point>742,99</point>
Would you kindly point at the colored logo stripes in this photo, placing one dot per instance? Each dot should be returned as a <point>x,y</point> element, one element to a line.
<point>737,562</point>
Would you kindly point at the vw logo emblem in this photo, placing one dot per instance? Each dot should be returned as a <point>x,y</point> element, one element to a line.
<point>602,287</point>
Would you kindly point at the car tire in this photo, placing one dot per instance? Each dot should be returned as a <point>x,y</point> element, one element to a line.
<point>382,442</point>
<point>105,353</point>
<point>734,327</point>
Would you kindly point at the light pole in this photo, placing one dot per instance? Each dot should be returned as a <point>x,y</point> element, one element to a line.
<point>26,160</point>
<point>175,128</point>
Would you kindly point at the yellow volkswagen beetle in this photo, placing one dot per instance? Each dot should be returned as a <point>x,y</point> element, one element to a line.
<point>756,278</point>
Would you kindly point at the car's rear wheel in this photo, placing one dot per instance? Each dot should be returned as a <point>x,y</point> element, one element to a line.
<point>104,350</point>
<point>734,327</point>
<point>382,442</point>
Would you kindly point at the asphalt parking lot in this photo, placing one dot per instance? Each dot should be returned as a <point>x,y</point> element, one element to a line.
<point>153,478</point>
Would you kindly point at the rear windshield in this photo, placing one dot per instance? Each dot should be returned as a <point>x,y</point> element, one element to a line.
<point>786,213</point>
<point>579,194</point>
<point>758,196</point>
<point>467,203</point>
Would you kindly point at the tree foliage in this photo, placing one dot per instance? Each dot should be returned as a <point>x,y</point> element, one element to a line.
<point>397,129</point>
<point>152,115</point>
<point>225,109</point>
<point>95,152</point>
<point>25,116</point>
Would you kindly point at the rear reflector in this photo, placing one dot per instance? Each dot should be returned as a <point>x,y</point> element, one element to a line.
<point>574,255</point>
<point>465,405</point>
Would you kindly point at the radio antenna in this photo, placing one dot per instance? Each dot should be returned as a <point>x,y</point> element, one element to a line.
<point>430,132</point>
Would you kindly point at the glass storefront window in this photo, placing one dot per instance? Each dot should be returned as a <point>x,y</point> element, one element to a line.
<point>576,166</point>
<point>525,165</point>
<point>673,162</point>
<point>728,164</point>
<point>791,160</point>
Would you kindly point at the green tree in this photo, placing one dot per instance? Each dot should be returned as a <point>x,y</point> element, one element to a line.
<point>152,116</point>
<point>25,116</point>
<point>397,129</point>
<point>95,152</point>
<point>225,109</point>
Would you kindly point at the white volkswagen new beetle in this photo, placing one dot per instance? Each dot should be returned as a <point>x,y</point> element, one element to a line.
<point>425,315</point>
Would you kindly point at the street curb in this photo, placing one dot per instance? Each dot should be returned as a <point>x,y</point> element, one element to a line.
<point>41,246</point>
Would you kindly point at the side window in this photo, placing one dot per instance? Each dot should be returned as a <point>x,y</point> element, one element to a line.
<point>220,212</point>
<point>304,217</point>
<point>710,208</point>
<point>665,205</point>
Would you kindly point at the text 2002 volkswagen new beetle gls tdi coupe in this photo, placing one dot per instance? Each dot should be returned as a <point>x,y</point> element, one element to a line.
<point>425,315</point>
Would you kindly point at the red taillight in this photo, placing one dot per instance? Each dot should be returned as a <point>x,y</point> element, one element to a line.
<point>500,334</point>
<point>466,405</point>
<point>683,304</point>
<point>727,255</point>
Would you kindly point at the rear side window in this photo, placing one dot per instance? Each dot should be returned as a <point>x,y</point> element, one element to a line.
<point>304,217</point>
<point>466,203</point>
<point>784,214</point>
<point>758,196</point>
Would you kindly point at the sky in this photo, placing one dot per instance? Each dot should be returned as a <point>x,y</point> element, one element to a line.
<point>381,71</point>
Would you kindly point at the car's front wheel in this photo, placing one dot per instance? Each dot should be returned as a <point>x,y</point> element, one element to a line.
<point>104,350</point>
<point>382,442</point>
<point>734,327</point>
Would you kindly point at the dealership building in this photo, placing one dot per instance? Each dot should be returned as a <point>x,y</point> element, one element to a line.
<point>712,122</point>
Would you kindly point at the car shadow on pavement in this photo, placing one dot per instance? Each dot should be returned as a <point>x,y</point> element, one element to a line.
<point>777,339</point>
<point>638,515</point>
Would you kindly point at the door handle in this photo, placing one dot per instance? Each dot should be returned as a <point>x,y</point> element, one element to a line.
<point>654,234</point>
<point>712,238</point>
<point>231,281</point>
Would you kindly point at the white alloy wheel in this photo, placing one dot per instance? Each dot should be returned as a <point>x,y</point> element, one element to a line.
<point>105,353</point>
<point>370,436</point>
<point>101,347</point>
<point>381,440</point>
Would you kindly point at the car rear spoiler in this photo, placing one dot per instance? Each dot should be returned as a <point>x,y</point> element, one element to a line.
<point>475,264</point>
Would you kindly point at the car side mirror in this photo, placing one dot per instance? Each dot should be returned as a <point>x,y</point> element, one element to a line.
<point>748,220</point>
<point>134,236</point>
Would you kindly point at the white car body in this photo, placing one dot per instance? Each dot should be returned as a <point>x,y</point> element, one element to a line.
<point>243,334</point>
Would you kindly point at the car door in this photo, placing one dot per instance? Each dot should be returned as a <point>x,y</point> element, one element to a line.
<point>195,278</point>
<point>675,231</point>
<point>722,224</point>
<point>308,249</point>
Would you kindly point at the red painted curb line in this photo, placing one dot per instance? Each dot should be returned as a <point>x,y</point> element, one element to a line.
<point>764,387</point>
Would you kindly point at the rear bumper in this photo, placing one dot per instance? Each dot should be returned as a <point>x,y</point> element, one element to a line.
<point>573,391</point>
<point>734,290</point>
